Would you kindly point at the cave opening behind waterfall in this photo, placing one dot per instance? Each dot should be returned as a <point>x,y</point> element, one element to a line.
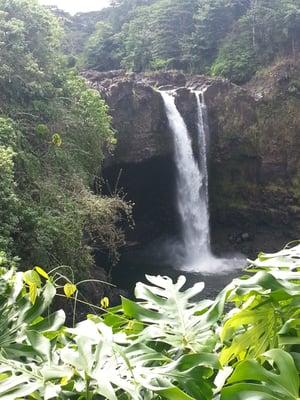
<point>150,185</point>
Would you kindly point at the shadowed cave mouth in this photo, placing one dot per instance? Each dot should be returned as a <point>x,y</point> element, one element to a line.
<point>151,186</point>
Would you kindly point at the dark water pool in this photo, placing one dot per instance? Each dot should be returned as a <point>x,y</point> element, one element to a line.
<point>135,264</point>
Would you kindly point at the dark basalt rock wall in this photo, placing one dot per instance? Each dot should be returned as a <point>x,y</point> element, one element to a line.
<point>255,164</point>
<point>254,156</point>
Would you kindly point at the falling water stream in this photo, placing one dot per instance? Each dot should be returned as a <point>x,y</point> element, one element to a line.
<point>202,145</point>
<point>191,192</point>
<point>192,189</point>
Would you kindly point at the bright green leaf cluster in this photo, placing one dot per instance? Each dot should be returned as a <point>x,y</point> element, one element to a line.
<point>242,345</point>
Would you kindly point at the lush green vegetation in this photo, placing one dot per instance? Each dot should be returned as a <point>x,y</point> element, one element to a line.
<point>242,345</point>
<point>53,132</point>
<point>233,38</point>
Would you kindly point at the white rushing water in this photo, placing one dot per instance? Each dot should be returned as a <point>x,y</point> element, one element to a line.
<point>192,198</point>
<point>202,144</point>
<point>192,189</point>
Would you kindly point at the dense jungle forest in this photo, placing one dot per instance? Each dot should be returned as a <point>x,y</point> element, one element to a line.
<point>234,39</point>
<point>146,150</point>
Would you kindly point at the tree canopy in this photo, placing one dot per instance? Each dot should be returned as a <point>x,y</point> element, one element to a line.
<point>233,38</point>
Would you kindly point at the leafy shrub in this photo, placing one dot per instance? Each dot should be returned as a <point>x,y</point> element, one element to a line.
<point>8,199</point>
<point>164,346</point>
<point>54,130</point>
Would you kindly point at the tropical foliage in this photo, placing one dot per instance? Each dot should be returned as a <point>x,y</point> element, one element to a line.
<point>53,133</point>
<point>167,345</point>
<point>269,29</point>
<point>233,38</point>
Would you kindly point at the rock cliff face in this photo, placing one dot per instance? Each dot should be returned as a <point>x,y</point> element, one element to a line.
<point>254,157</point>
<point>256,162</point>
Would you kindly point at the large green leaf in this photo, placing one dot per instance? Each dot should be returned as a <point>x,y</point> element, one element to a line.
<point>19,380</point>
<point>115,364</point>
<point>287,259</point>
<point>275,287</point>
<point>290,333</point>
<point>266,305</point>
<point>18,313</point>
<point>98,361</point>
<point>275,377</point>
<point>23,346</point>
<point>170,315</point>
<point>249,333</point>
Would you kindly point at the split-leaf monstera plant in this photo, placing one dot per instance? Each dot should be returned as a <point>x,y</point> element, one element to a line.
<point>164,345</point>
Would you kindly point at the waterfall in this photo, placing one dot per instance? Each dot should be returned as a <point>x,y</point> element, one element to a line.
<point>202,144</point>
<point>192,184</point>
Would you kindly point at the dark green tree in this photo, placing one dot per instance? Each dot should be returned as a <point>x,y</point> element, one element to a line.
<point>267,31</point>
<point>29,49</point>
<point>103,49</point>
<point>213,20</point>
<point>155,37</point>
